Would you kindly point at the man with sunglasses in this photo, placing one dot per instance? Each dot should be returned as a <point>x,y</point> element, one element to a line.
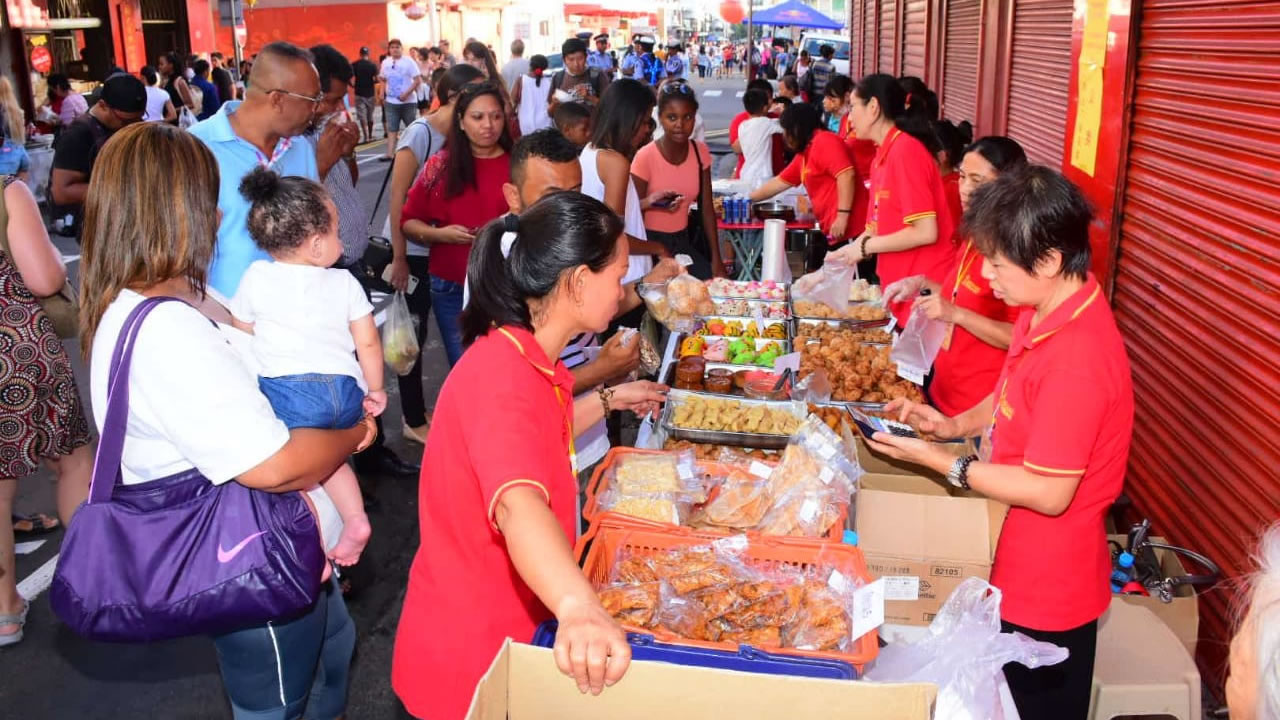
<point>122,101</point>
<point>266,129</point>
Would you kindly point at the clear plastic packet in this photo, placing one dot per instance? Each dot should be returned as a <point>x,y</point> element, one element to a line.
<point>825,618</point>
<point>813,388</point>
<point>812,484</point>
<point>828,285</point>
<point>635,604</point>
<point>918,345</point>
<point>399,339</point>
<point>678,302</point>
<point>659,473</point>
<point>664,507</point>
<point>739,494</point>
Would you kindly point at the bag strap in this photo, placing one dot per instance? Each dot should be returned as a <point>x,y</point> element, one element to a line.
<point>106,463</point>
<point>693,147</point>
<point>378,203</point>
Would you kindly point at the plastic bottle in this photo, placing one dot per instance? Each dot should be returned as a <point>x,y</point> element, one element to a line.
<point>1123,574</point>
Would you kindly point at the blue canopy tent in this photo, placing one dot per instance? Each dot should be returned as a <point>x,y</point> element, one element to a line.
<point>793,13</point>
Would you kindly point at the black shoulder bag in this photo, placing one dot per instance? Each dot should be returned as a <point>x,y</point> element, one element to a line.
<point>699,243</point>
<point>378,254</point>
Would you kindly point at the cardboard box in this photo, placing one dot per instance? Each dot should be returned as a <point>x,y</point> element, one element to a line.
<point>924,537</point>
<point>1183,614</point>
<point>524,684</point>
<point>876,463</point>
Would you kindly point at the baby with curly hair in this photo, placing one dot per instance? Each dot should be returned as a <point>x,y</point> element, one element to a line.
<point>313,329</point>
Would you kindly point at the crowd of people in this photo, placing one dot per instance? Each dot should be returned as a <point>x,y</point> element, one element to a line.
<point>524,210</point>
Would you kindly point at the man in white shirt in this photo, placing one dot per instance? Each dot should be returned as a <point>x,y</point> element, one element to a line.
<point>516,66</point>
<point>402,78</point>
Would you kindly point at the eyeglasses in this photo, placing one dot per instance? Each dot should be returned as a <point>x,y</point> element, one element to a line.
<point>313,100</point>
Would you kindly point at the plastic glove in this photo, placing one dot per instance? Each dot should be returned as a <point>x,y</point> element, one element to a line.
<point>903,290</point>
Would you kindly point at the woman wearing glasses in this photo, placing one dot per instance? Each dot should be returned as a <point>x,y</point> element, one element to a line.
<point>979,324</point>
<point>680,168</point>
<point>458,191</point>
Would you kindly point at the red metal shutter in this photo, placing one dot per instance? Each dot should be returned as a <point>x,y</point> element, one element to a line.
<point>915,39</point>
<point>888,36</point>
<point>1039,76</point>
<point>960,60</point>
<point>1197,282</point>
<point>870,20</point>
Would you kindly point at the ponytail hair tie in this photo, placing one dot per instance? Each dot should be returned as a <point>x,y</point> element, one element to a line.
<point>907,102</point>
<point>510,227</point>
<point>537,72</point>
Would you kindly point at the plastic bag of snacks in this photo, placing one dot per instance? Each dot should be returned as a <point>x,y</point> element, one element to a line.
<point>661,488</point>
<point>678,302</point>
<point>399,339</point>
<point>824,621</point>
<point>740,494</point>
<point>813,482</point>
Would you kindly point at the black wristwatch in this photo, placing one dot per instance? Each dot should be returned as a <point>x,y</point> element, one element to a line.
<point>958,476</point>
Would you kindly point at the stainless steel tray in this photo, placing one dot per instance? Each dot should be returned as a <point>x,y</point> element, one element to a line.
<point>785,287</point>
<point>752,304</point>
<point>759,343</point>
<point>786,324</point>
<point>670,380</point>
<point>723,437</point>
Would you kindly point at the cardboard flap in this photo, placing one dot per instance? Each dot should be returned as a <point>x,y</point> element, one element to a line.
<point>919,527</point>
<point>533,689</point>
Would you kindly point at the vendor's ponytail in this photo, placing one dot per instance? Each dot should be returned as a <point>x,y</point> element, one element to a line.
<point>914,121</point>
<point>518,259</point>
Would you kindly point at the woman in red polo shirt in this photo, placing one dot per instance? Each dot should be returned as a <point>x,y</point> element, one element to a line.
<point>909,228</point>
<point>979,324</point>
<point>822,164</point>
<point>1055,431</point>
<point>458,191</point>
<point>497,496</point>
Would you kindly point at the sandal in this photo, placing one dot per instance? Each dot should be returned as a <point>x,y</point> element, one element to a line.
<point>20,620</point>
<point>36,524</point>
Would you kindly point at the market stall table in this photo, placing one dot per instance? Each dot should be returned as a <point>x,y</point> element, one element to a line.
<point>747,240</point>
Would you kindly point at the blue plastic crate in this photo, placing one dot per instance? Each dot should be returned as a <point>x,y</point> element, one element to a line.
<point>747,659</point>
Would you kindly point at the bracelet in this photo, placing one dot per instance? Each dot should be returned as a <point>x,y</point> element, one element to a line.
<point>865,239</point>
<point>845,210</point>
<point>605,394</point>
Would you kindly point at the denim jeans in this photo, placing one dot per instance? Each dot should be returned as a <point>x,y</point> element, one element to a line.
<point>331,402</point>
<point>278,670</point>
<point>446,299</point>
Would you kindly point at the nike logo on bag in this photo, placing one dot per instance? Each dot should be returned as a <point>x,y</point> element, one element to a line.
<point>226,556</point>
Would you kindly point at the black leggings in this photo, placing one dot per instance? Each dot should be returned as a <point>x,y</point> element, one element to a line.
<point>1055,692</point>
<point>412,403</point>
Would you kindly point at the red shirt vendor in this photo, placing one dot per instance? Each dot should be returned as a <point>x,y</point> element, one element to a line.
<point>1055,432</point>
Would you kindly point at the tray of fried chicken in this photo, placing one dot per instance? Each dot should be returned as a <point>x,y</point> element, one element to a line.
<point>858,373</point>
<point>789,596</point>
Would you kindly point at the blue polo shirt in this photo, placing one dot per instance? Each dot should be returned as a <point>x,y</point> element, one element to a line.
<point>600,60</point>
<point>236,250</point>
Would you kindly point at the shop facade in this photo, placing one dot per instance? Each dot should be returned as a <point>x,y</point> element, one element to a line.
<point>1162,111</point>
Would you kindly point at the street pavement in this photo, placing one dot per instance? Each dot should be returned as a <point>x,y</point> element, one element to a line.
<point>53,673</point>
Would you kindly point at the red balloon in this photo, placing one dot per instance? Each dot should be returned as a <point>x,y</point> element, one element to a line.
<point>732,11</point>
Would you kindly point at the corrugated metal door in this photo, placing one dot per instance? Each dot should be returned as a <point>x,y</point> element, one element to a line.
<point>915,38</point>
<point>870,23</point>
<point>888,36</point>
<point>1039,76</point>
<point>960,60</point>
<point>1197,287</point>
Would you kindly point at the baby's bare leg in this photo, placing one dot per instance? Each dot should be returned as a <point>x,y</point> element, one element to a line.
<point>344,490</point>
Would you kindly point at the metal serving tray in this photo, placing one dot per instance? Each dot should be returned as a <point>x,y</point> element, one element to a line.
<point>767,441</point>
<point>786,324</point>
<point>752,304</point>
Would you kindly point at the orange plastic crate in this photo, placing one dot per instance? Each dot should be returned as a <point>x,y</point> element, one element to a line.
<point>606,540</point>
<point>599,483</point>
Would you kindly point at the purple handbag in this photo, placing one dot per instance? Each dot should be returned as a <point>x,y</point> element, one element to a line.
<point>179,555</point>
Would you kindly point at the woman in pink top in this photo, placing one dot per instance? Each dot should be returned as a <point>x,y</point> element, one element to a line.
<point>666,164</point>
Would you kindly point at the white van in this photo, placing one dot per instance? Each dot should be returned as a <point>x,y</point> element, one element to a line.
<point>812,41</point>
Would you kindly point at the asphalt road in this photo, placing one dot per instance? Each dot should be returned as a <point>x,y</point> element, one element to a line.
<point>53,673</point>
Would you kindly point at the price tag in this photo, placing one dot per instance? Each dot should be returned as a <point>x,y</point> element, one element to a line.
<point>809,513</point>
<point>826,475</point>
<point>760,470</point>
<point>910,373</point>
<point>838,581</point>
<point>868,608</point>
<point>901,587</point>
<point>827,451</point>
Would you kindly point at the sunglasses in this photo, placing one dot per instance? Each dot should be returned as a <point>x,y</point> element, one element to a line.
<point>677,87</point>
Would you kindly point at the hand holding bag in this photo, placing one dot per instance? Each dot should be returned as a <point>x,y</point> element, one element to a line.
<point>179,555</point>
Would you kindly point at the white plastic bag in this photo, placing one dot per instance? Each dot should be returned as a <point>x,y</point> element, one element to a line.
<point>964,654</point>
<point>399,339</point>
<point>186,118</point>
<point>828,285</point>
<point>917,347</point>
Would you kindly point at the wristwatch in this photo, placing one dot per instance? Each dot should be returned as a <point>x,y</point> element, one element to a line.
<point>958,476</point>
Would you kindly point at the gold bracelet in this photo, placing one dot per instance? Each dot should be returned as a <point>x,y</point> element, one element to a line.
<point>605,393</point>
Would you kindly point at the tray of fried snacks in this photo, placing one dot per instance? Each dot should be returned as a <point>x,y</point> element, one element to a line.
<point>865,314</point>
<point>858,373</point>
<point>810,488</point>
<point>742,327</point>
<point>677,303</point>
<point>660,487</point>
<point>789,596</point>
<point>731,421</point>
<point>816,331</point>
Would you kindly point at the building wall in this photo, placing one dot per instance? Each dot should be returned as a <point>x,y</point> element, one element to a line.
<point>347,27</point>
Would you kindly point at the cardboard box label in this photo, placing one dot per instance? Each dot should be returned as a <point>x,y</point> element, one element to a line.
<point>901,587</point>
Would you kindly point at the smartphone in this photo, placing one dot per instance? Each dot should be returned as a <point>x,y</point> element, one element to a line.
<point>413,281</point>
<point>869,425</point>
<point>668,201</point>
